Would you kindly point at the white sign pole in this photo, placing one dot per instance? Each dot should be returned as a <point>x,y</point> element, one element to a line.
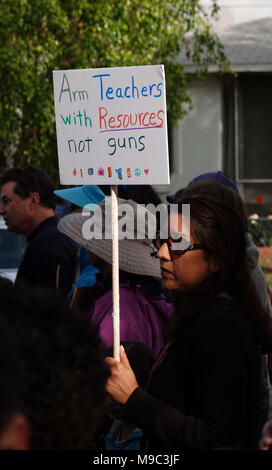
<point>112,129</point>
<point>115,274</point>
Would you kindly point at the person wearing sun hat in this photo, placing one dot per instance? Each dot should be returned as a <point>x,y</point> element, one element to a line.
<point>79,197</point>
<point>144,309</point>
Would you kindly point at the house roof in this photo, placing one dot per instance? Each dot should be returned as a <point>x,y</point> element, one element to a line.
<point>247,45</point>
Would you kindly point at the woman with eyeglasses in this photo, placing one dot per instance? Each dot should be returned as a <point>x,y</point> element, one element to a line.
<point>204,388</point>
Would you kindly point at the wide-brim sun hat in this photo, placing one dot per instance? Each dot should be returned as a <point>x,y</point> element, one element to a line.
<point>134,251</point>
<point>81,195</point>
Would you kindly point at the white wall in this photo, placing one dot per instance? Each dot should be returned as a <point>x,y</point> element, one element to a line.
<point>197,139</point>
<point>234,12</point>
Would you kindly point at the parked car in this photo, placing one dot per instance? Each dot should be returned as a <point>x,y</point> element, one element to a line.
<point>12,247</point>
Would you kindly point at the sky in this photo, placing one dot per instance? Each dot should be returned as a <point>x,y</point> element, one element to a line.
<point>234,12</point>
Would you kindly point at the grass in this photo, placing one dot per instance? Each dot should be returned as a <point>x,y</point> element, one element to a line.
<point>266,265</point>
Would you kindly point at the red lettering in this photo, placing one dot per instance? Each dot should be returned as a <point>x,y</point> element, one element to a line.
<point>140,118</point>
<point>146,114</point>
<point>102,118</point>
<point>112,120</point>
<point>126,121</point>
<point>160,119</point>
<point>119,119</point>
<point>130,119</point>
<point>152,116</point>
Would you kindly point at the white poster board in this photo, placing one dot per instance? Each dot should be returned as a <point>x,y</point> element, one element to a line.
<point>111,125</point>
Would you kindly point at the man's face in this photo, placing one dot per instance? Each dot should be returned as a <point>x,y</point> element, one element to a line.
<point>15,210</point>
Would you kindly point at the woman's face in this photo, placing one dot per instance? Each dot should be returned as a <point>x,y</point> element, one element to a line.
<point>187,271</point>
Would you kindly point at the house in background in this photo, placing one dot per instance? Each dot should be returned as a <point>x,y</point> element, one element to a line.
<point>230,125</point>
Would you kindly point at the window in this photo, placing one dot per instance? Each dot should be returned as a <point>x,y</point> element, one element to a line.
<point>253,113</point>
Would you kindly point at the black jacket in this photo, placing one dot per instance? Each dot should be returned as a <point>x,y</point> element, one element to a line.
<point>50,258</point>
<point>205,393</point>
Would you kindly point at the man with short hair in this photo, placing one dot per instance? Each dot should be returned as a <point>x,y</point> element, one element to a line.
<point>27,206</point>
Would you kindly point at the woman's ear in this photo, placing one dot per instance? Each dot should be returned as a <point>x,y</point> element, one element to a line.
<point>214,264</point>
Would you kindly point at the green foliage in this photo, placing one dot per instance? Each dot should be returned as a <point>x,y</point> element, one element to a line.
<point>261,231</point>
<point>39,36</point>
<point>266,265</point>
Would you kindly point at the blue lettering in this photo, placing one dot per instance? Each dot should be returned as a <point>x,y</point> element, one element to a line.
<point>134,88</point>
<point>101,83</point>
<point>109,92</point>
<point>144,91</point>
<point>126,89</point>
<point>119,93</point>
<point>154,90</point>
<point>159,85</point>
<point>151,88</point>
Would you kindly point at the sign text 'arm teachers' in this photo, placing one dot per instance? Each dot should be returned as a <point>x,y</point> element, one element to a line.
<point>111,125</point>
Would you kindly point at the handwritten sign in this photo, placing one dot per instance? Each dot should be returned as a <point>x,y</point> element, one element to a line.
<point>111,125</point>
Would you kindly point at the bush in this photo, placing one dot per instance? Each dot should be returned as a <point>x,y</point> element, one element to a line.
<point>261,231</point>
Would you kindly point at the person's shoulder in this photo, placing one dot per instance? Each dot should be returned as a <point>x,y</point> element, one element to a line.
<point>225,314</point>
<point>49,242</point>
<point>221,307</point>
<point>49,233</point>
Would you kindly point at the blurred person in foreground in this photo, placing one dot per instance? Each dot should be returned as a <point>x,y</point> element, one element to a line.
<point>14,426</point>
<point>63,374</point>
<point>266,437</point>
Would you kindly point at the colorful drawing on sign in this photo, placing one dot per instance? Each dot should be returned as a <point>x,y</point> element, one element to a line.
<point>119,173</point>
<point>114,119</point>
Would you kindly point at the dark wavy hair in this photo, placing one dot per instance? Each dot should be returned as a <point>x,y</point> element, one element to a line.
<point>63,368</point>
<point>10,375</point>
<point>221,229</point>
<point>29,180</point>
<point>213,188</point>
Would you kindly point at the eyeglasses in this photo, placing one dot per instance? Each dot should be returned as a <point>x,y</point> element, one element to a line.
<point>173,251</point>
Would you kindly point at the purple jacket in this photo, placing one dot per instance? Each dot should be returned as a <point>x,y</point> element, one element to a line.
<point>143,314</point>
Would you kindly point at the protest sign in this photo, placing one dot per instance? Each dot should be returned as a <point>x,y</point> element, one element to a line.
<point>111,125</point>
<point>112,129</point>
